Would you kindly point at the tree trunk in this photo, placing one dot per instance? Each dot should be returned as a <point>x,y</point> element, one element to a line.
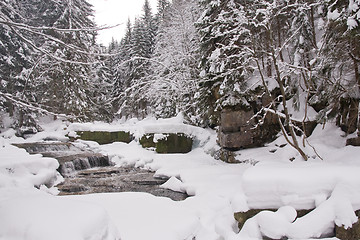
<point>288,121</point>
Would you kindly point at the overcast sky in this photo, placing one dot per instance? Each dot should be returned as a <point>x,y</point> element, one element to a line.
<point>112,12</point>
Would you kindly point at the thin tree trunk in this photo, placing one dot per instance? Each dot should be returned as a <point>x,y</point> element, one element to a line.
<point>288,121</point>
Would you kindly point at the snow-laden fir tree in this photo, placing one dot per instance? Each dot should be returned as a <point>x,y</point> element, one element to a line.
<point>339,63</point>
<point>15,54</point>
<point>224,60</point>
<point>173,81</point>
<point>133,102</point>
<point>63,78</point>
<point>58,71</point>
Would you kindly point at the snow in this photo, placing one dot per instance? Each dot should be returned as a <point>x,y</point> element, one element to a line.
<point>265,179</point>
<point>351,22</point>
<point>42,217</point>
<point>148,125</point>
<point>19,169</point>
<point>138,215</point>
<point>271,224</point>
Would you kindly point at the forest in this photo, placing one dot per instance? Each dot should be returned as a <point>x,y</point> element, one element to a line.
<point>124,141</point>
<point>193,57</point>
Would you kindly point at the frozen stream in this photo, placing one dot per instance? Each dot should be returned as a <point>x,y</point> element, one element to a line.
<point>87,172</point>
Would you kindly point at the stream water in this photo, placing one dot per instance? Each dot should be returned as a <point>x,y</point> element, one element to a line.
<point>86,172</point>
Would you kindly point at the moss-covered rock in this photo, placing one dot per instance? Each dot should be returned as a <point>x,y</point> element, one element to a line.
<point>352,233</point>
<point>169,143</point>
<point>103,137</point>
<point>147,141</point>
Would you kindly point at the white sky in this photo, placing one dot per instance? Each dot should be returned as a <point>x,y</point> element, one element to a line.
<point>112,12</point>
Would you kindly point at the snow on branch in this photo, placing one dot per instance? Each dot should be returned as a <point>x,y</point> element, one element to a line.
<point>25,105</point>
<point>42,28</point>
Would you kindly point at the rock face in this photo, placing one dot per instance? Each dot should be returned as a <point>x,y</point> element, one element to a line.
<point>167,143</point>
<point>239,129</point>
<point>102,137</point>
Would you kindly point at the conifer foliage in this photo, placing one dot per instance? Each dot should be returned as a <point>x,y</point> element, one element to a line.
<point>48,57</point>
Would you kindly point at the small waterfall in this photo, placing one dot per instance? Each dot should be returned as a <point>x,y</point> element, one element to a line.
<point>99,161</point>
<point>41,147</point>
<point>70,157</point>
<point>67,169</point>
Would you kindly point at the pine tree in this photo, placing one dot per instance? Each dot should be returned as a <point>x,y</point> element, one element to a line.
<point>56,71</point>
<point>68,70</point>
<point>339,63</point>
<point>140,48</point>
<point>15,54</point>
<point>224,60</point>
<point>174,77</point>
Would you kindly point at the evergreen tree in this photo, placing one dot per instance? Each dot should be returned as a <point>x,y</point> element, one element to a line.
<point>55,71</point>
<point>15,54</point>
<point>174,77</point>
<point>339,64</point>
<point>68,69</point>
<point>162,11</point>
<point>133,102</point>
<point>224,40</point>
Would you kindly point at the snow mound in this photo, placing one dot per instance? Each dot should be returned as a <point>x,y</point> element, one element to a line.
<point>20,169</point>
<point>316,224</point>
<point>274,225</point>
<point>174,184</point>
<point>301,185</point>
<point>144,216</point>
<point>43,217</point>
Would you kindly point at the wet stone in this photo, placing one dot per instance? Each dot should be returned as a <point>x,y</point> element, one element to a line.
<point>117,179</point>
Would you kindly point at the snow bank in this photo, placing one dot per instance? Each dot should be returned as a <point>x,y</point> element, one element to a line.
<point>28,211</point>
<point>300,185</point>
<point>316,224</point>
<point>275,181</point>
<point>34,215</point>
<point>20,169</point>
<point>144,216</point>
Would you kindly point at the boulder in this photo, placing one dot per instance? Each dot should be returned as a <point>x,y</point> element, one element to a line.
<point>168,143</point>
<point>242,217</point>
<point>353,142</point>
<point>307,128</point>
<point>236,120</point>
<point>103,137</point>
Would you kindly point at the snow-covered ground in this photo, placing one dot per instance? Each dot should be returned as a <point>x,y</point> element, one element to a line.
<point>30,209</point>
